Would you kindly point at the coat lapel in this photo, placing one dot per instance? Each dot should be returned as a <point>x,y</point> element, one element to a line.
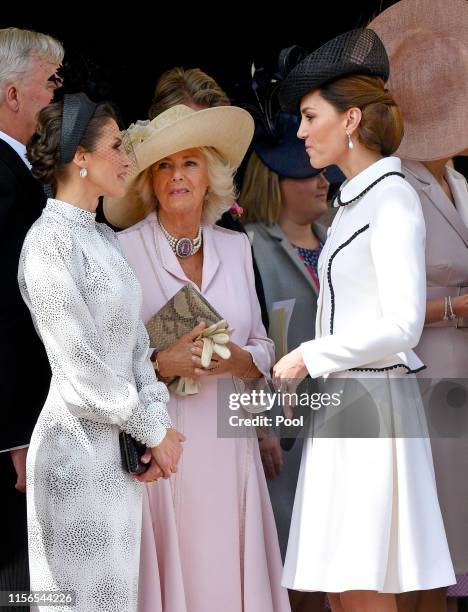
<point>437,197</point>
<point>459,190</point>
<point>161,254</point>
<point>159,250</point>
<point>276,232</point>
<point>211,261</point>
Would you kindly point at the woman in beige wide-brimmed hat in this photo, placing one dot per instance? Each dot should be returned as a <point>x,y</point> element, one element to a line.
<point>427,43</point>
<point>213,539</point>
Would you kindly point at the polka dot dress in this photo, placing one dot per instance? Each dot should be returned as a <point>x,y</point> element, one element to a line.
<point>84,510</point>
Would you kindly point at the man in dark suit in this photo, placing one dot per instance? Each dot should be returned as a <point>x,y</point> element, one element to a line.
<point>28,65</point>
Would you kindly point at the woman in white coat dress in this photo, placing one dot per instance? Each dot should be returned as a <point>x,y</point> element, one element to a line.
<point>84,510</point>
<point>375,500</point>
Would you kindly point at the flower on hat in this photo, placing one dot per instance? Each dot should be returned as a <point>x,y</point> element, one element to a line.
<point>236,210</point>
<point>138,132</point>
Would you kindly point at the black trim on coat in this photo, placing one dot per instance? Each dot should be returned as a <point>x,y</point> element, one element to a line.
<point>392,367</point>
<point>330,261</point>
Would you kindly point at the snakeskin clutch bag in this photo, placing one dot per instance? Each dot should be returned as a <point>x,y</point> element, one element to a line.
<point>184,311</point>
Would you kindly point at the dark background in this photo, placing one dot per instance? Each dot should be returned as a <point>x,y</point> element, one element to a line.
<point>120,56</point>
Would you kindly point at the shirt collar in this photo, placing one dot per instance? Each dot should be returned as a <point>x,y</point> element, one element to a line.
<point>353,187</point>
<point>17,146</point>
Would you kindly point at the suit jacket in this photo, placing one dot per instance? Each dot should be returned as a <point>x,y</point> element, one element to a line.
<point>284,276</point>
<point>24,368</point>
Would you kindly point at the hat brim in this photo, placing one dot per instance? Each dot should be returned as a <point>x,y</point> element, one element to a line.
<point>228,129</point>
<point>427,44</point>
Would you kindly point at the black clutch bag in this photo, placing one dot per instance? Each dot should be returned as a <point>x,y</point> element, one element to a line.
<point>132,451</point>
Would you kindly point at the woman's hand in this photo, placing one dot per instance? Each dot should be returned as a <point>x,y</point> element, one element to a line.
<point>168,453</point>
<point>460,305</point>
<point>291,368</point>
<point>164,457</point>
<point>153,472</point>
<point>435,308</point>
<point>176,360</point>
<point>239,364</point>
<point>18,457</point>
<point>272,456</point>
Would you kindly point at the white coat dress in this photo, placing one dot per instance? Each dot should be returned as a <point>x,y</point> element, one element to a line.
<point>366,514</point>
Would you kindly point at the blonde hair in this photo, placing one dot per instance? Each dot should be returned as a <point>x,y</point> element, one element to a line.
<point>19,47</point>
<point>179,86</point>
<point>260,195</point>
<point>221,191</point>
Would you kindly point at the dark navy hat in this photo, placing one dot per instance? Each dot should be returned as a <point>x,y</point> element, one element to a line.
<point>283,152</point>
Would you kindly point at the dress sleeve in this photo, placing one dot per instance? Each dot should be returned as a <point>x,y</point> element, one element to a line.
<point>50,283</point>
<point>258,345</point>
<point>153,393</point>
<point>397,244</point>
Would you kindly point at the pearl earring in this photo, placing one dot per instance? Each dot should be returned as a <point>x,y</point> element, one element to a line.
<point>83,173</point>
<point>350,142</point>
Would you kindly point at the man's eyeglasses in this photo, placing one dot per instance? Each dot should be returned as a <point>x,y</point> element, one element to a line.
<point>57,78</point>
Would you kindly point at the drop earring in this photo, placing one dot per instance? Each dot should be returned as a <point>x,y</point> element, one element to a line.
<point>350,142</point>
<point>83,173</point>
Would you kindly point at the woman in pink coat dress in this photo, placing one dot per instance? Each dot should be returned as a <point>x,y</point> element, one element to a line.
<point>209,538</point>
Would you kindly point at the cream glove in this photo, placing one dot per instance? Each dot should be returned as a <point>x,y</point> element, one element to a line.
<point>214,338</point>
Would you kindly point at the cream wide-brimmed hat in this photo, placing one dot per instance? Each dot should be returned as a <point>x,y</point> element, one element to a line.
<point>228,129</point>
<point>427,44</point>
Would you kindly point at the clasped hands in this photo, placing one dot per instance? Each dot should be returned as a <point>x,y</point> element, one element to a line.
<point>162,459</point>
<point>184,358</point>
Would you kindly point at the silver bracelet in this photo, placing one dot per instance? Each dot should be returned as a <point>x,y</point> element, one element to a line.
<point>445,317</point>
<point>452,315</point>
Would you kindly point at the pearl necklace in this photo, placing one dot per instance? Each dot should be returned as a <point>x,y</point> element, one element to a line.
<point>183,247</point>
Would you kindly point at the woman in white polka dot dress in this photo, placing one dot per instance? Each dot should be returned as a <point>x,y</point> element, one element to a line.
<point>84,510</point>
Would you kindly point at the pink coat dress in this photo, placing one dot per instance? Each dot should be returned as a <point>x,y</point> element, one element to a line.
<point>209,540</point>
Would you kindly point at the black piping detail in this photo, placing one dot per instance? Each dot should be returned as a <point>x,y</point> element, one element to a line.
<point>392,367</point>
<point>330,261</point>
<point>367,189</point>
